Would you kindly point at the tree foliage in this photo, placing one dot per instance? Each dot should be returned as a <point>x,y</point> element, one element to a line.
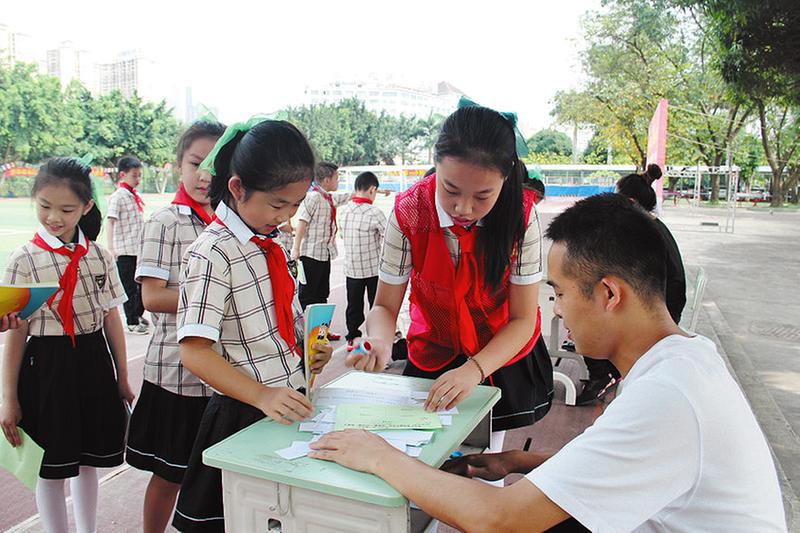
<point>39,120</point>
<point>550,141</point>
<point>347,133</point>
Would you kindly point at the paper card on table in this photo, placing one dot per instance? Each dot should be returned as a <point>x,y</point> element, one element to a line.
<point>367,416</point>
<point>318,319</point>
<point>446,420</point>
<point>332,396</point>
<point>413,451</point>
<point>25,299</point>
<point>410,436</point>
<point>24,461</point>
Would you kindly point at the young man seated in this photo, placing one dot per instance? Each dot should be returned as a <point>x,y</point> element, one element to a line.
<point>679,449</point>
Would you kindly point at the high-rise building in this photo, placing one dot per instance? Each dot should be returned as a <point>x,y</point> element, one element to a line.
<point>16,46</point>
<point>388,96</point>
<point>67,62</point>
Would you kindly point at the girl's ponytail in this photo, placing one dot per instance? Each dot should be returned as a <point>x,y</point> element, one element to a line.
<point>91,222</point>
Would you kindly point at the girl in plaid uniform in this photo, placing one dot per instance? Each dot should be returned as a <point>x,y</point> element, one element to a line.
<point>62,386</point>
<point>172,400</point>
<point>240,325</point>
<point>467,238</point>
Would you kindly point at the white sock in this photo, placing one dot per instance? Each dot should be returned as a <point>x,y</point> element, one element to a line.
<point>84,499</point>
<point>52,505</point>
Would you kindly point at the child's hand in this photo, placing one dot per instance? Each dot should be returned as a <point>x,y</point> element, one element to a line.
<point>295,255</point>
<point>284,405</point>
<point>321,357</point>
<point>452,387</point>
<point>125,391</point>
<point>10,321</point>
<point>375,360</point>
<point>10,415</point>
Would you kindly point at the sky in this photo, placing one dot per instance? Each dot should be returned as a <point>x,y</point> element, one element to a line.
<point>246,57</point>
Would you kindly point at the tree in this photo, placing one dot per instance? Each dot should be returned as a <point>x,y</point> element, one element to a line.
<point>757,46</point>
<point>550,142</point>
<point>639,51</point>
<point>780,137</point>
<point>30,112</point>
<point>349,134</point>
<point>757,43</point>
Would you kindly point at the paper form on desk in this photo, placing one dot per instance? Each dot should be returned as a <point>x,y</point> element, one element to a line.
<point>370,416</point>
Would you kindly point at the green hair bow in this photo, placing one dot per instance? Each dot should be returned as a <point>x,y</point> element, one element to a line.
<point>230,132</point>
<point>522,146</point>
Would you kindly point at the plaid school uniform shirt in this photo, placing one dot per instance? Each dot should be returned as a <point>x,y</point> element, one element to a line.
<point>320,240</point>
<point>363,226</point>
<point>395,264</point>
<point>130,222</point>
<point>166,237</point>
<point>226,297</point>
<point>98,289</point>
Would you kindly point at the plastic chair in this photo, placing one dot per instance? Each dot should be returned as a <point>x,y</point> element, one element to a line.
<point>700,283</point>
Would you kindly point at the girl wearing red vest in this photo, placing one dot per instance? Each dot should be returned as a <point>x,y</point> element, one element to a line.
<point>468,240</point>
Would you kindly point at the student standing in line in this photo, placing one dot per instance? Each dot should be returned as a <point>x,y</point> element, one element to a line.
<point>60,383</point>
<point>172,400</point>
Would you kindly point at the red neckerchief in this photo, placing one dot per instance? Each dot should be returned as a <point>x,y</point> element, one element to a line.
<point>332,224</point>
<point>360,200</point>
<point>139,201</point>
<point>67,283</point>
<point>466,278</point>
<point>282,287</point>
<point>182,198</point>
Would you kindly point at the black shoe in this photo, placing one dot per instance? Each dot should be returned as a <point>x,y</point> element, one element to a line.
<point>593,389</point>
<point>568,346</point>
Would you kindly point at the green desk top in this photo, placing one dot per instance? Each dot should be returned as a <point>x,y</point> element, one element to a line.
<point>251,451</point>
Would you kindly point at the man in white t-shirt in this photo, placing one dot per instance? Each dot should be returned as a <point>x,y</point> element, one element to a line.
<point>679,449</point>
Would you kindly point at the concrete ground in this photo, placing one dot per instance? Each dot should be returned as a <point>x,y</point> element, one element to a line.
<point>751,309</point>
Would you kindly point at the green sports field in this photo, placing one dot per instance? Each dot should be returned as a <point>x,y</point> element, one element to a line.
<point>18,219</point>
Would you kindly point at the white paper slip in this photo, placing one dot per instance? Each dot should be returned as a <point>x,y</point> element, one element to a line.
<point>447,420</point>
<point>318,428</point>
<point>452,411</point>
<point>413,451</point>
<point>297,450</point>
<point>410,436</point>
<point>397,444</point>
<point>419,395</point>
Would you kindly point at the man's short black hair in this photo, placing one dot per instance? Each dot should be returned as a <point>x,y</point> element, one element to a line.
<point>607,235</point>
<point>365,180</point>
<point>128,162</point>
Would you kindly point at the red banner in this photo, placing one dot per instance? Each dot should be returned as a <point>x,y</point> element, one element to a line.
<point>657,146</point>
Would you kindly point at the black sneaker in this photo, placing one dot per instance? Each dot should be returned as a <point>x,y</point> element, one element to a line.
<point>143,321</point>
<point>568,346</point>
<point>593,390</point>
